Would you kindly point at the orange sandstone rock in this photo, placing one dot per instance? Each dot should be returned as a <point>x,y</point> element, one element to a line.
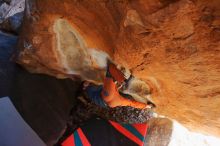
<point>174,45</point>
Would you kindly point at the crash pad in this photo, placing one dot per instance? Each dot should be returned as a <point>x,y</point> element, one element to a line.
<point>14,131</point>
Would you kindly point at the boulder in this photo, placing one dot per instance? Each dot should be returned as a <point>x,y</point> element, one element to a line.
<point>172,45</point>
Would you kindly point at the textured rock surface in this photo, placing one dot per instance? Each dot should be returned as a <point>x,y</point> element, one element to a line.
<point>10,7</point>
<point>11,15</point>
<point>173,45</point>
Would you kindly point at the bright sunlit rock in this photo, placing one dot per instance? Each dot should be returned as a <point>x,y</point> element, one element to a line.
<point>183,137</point>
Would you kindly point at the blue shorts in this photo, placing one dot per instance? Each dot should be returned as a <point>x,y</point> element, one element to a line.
<point>94,93</point>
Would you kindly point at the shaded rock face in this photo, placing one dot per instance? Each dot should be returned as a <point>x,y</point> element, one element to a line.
<point>44,102</point>
<point>11,15</point>
<point>172,45</point>
<point>10,7</point>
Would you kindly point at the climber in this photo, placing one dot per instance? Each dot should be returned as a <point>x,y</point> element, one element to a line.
<point>108,94</point>
<point>97,131</point>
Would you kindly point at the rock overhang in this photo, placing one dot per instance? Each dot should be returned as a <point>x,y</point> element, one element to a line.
<point>172,46</point>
